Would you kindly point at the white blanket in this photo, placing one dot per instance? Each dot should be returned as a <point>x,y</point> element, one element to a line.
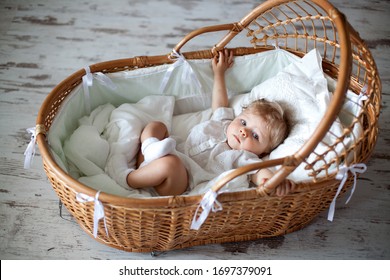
<point>104,147</point>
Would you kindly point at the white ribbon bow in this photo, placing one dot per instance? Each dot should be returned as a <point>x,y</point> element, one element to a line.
<point>362,96</point>
<point>188,74</point>
<point>343,175</point>
<point>88,82</point>
<point>105,80</point>
<point>98,212</point>
<point>207,204</point>
<point>29,153</point>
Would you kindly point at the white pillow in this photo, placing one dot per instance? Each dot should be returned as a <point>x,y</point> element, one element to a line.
<point>301,89</point>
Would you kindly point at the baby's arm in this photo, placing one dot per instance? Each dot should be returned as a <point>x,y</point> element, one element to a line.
<point>263,175</point>
<point>220,65</point>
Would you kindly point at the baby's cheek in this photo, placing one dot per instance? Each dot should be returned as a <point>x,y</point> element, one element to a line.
<point>258,148</point>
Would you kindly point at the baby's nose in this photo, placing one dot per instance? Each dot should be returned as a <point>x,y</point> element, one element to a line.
<point>243,132</point>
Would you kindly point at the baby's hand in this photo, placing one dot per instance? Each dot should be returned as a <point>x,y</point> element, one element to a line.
<point>222,62</point>
<point>285,188</point>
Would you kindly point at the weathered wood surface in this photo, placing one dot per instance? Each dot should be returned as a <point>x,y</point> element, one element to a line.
<point>43,42</point>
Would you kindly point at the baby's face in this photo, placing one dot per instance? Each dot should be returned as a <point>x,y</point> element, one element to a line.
<point>248,132</point>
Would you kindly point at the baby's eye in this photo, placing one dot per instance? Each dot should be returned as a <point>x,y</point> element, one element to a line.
<point>243,122</point>
<point>255,135</point>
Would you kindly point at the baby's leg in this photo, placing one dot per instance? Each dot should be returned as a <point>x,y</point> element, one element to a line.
<point>167,175</point>
<point>155,143</point>
<point>154,129</point>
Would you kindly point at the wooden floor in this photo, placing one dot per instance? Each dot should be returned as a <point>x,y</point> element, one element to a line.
<point>44,41</point>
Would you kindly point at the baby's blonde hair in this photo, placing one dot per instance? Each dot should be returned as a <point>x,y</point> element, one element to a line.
<point>275,119</point>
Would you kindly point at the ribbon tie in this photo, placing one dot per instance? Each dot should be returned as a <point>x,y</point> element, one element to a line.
<point>188,74</point>
<point>88,82</point>
<point>98,210</point>
<point>29,153</point>
<point>362,96</point>
<point>209,202</point>
<point>343,175</point>
<point>105,80</point>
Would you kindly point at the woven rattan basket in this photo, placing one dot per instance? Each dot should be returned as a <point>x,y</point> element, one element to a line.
<point>160,224</point>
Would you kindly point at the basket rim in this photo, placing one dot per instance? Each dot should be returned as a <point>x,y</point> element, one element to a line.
<point>146,61</point>
<point>150,202</point>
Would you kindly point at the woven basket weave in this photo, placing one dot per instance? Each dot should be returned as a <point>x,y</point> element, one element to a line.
<point>163,223</point>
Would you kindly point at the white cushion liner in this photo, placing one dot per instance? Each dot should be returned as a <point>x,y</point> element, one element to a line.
<point>84,145</point>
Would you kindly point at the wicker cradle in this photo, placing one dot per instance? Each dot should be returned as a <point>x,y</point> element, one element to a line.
<point>160,224</point>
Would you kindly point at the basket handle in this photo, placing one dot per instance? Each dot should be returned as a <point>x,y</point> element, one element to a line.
<point>233,28</point>
<point>337,100</point>
<point>345,68</point>
<point>268,187</point>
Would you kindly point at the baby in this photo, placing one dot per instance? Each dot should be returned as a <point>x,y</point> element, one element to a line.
<point>218,145</point>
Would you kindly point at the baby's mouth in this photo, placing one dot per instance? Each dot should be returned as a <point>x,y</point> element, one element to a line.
<point>237,139</point>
